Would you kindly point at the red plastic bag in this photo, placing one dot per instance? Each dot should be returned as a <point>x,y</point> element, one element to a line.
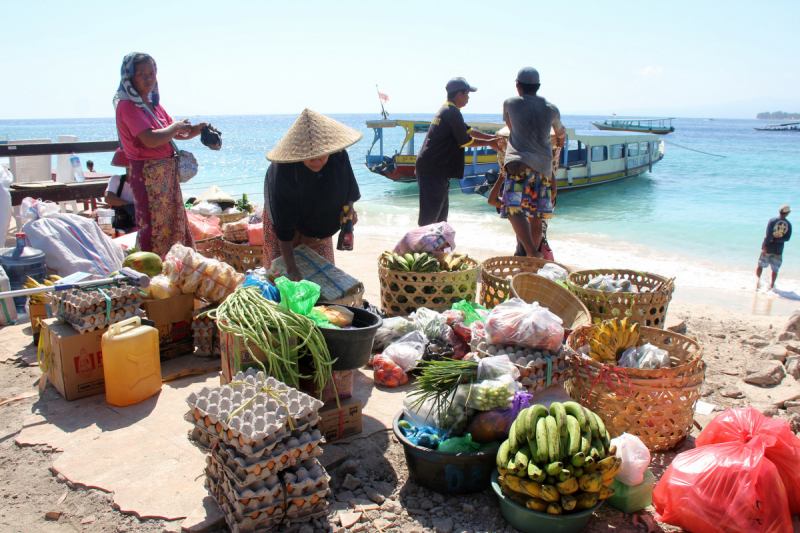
<point>203,227</point>
<point>741,425</point>
<point>728,487</point>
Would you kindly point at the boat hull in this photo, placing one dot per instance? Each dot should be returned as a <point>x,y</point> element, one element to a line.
<point>637,129</point>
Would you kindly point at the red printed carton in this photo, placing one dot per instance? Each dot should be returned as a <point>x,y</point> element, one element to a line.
<point>72,361</point>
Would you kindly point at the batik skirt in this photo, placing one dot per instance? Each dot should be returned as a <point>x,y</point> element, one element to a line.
<point>272,245</point>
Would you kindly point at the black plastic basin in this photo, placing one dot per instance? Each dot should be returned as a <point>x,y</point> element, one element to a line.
<point>352,347</point>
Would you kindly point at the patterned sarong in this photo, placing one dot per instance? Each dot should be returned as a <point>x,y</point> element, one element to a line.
<point>272,245</point>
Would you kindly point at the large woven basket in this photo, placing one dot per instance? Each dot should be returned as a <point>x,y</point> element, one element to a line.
<point>233,217</point>
<point>353,300</point>
<point>648,308</point>
<point>210,248</point>
<point>241,257</point>
<point>534,288</point>
<point>496,274</point>
<point>655,405</point>
<point>402,293</point>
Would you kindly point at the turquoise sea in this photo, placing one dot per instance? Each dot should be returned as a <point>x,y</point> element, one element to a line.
<point>697,217</point>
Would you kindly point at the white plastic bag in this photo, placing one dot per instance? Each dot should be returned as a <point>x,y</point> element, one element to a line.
<point>5,199</point>
<point>32,209</point>
<point>206,209</point>
<point>529,325</point>
<point>553,272</point>
<point>647,357</point>
<point>407,351</point>
<point>72,243</point>
<point>635,459</point>
<point>430,323</point>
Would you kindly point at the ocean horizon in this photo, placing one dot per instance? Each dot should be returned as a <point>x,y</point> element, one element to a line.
<point>696,217</point>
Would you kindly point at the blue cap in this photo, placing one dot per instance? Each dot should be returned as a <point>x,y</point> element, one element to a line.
<point>459,84</point>
<point>528,76</point>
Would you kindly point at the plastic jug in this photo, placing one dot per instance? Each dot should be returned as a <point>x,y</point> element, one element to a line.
<point>19,263</point>
<point>631,499</point>
<point>131,362</point>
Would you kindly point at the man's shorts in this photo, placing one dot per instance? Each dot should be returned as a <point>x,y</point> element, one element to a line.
<point>770,260</point>
<point>527,193</point>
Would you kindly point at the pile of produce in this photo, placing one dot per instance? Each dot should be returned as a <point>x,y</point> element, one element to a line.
<point>557,461</point>
<point>144,262</point>
<point>609,283</point>
<point>426,262</point>
<point>31,283</point>
<point>274,329</point>
<point>618,342</point>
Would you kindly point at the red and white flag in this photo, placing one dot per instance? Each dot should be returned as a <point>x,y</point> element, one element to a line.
<point>383,97</point>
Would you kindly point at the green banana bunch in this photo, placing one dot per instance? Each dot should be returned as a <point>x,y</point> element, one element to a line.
<point>557,460</point>
<point>418,262</point>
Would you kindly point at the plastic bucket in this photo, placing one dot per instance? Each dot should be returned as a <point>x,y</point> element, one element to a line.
<point>352,347</point>
<point>447,473</point>
<point>530,521</point>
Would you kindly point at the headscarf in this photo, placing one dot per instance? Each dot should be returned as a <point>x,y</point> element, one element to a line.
<point>126,90</point>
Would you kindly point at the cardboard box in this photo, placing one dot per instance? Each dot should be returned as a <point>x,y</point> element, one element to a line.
<point>173,320</point>
<point>74,364</point>
<point>343,381</point>
<point>336,423</point>
<point>37,312</point>
<point>235,357</point>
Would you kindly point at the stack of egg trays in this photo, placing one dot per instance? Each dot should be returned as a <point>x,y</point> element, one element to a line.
<point>306,485</point>
<point>533,375</point>
<point>206,336</point>
<point>85,309</point>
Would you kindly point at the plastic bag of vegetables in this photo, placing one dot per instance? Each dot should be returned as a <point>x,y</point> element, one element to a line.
<point>451,419</point>
<point>407,350</point>
<point>495,385</point>
<point>518,323</point>
<point>391,330</point>
<point>490,426</point>
<point>428,322</point>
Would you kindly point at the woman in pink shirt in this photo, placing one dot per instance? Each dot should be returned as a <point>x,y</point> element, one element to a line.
<point>145,131</point>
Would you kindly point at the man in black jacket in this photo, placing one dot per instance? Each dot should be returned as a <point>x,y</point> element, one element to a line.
<point>779,231</point>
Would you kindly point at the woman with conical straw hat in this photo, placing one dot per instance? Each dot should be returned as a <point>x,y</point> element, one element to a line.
<point>306,188</point>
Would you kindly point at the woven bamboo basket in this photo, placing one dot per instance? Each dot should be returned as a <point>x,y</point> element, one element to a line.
<point>233,217</point>
<point>402,293</point>
<point>335,284</point>
<point>353,300</point>
<point>648,308</point>
<point>210,248</point>
<point>655,405</point>
<point>496,274</point>
<point>241,257</point>
<point>565,305</point>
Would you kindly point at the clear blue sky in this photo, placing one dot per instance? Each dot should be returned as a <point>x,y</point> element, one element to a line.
<point>692,59</point>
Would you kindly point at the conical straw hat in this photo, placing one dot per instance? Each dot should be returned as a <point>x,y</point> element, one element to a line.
<point>313,135</point>
<point>215,194</point>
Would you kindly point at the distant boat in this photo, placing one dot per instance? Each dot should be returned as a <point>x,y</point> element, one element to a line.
<point>789,126</point>
<point>661,126</point>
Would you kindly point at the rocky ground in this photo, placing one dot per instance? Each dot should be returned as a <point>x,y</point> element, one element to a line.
<point>751,360</point>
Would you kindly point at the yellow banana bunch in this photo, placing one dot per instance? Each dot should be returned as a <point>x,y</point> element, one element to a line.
<point>611,338</point>
<point>453,262</point>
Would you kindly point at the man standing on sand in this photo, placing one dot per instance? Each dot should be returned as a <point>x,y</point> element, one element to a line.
<point>530,187</point>
<point>441,157</point>
<point>779,231</point>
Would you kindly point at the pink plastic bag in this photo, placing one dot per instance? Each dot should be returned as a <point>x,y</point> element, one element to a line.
<point>203,227</point>
<point>741,425</point>
<point>437,237</point>
<point>255,234</point>
<point>728,487</point>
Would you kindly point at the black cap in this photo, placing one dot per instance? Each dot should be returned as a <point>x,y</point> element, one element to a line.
<point>459,84</point>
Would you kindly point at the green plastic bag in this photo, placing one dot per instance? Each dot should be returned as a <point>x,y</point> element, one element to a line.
<point>321,320</point>
<point>459,445</point>
<point>298,296</point>
<point>468,308</point>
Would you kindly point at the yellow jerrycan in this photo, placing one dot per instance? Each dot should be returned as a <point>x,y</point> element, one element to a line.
<point>131,363</point>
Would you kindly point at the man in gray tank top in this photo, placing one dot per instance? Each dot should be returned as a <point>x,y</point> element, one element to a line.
<point>530,185</point>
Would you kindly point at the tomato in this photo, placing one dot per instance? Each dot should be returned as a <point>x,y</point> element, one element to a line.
<point>392,382</point>
<point>397,372</point>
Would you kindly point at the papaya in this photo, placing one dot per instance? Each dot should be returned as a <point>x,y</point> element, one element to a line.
<point>144,262</point>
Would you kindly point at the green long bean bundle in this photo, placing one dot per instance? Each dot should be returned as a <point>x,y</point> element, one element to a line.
<point>269,326</point>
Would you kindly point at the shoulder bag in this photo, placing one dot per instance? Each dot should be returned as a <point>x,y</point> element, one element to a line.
<point>187,164</point>
<point>124,215</point>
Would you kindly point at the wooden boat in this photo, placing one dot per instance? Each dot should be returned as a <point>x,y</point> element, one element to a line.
<point>400,166</point>
<point>789,126</point>
<point>592,158</point>
<point>661,126</point>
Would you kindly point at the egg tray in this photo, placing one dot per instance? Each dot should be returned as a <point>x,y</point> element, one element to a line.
<point>87,302</point>
<point>243,445</point>
<point>534,386</point>
<point>264,414</point>
<point>202,440</point>
<point>245,477</point>
<point>291,445</point>
<point>307,476</point>
<point>82,325</point>
<point>264,521</point>
<point>205,350</point>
